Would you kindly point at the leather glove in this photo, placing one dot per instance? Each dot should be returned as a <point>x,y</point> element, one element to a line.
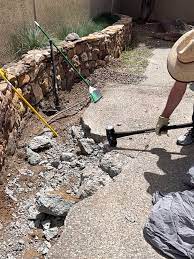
<point>162,121</point>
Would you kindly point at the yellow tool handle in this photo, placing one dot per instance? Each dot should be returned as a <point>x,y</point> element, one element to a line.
<point>28,104</point>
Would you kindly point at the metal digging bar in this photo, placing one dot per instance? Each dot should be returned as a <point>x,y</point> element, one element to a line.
<point>112,136</point>
<point>55,86</point>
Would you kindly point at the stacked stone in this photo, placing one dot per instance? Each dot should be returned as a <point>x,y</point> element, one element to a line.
<point>32,75</point>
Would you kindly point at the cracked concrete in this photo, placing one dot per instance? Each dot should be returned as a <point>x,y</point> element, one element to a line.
<point>109,224</point>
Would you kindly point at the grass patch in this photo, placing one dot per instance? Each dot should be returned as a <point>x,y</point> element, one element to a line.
<point>135,58</point>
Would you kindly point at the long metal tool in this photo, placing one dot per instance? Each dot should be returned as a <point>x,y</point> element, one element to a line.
<point>94,92</point>
<point>2,74</point>
<point>54,79</point>
<point>112,136</point>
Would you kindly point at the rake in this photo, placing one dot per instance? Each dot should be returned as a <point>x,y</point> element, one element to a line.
<point>95,94</point>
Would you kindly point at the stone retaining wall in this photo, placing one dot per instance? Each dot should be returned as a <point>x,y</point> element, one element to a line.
<point>32,74</point>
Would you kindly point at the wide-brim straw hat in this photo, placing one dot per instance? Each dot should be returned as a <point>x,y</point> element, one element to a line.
<point>181,58</point>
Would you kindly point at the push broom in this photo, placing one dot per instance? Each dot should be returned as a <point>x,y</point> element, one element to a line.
<point>95,94</point>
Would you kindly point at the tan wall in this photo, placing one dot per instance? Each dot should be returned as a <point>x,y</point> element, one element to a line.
<point>174,9</point>
<point>164,9</point>
<point>14,14</point>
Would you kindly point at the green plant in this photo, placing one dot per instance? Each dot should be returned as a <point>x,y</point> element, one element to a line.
<point>87,26</point>
<point>82,29</point>
<point>26,39</point>
<point>106,19</point>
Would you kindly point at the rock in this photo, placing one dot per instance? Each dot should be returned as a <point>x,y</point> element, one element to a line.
<point>75,61</point>
<point>86,146</point>
<point>31,224</point>
<point>84,57</point>
<point>11,145</point>
<point>112,163</point>
<point>47,133</point>
<point>55,164</point>
<point>38,94</point>
<point>10,194</point>
<point>33,157</point>
<point>67,156</point>
<point>77,132</point>
<point>27,172</point>
<point>32,213</point>
<point>55,203</point>
<point>50,233</point>
<point>44,248</point>
<point>81,165</point>
<point>23,79</point>
<point>3,87</point>
<point>72,37</point>
<point>40,142</point>
<point>93,178</point>
<point>46,224</point>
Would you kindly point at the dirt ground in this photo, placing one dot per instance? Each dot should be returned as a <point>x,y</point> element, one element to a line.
<point>129,68</point>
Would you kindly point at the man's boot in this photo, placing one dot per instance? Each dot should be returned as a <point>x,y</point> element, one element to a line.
<point>188,137</point>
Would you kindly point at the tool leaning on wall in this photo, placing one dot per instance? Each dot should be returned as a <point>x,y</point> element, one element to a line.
<point>95,94</point>
<point>4,76</point>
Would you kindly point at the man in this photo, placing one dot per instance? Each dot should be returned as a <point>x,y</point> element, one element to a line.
<point>180,65</point>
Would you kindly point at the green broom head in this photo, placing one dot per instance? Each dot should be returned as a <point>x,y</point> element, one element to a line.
<point>95,94</point>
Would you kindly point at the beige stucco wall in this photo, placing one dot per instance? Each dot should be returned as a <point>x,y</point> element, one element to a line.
<point>17,13</point>
<point>13,14</point>
<point>164,9</point>
<point>174,9</point>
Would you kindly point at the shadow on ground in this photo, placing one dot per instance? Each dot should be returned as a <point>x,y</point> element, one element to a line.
<point>174,170</point>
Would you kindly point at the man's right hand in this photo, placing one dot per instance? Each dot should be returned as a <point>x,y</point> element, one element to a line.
<point>162,121</point>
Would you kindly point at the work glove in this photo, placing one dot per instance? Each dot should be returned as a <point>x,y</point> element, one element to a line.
<point>162,121</point>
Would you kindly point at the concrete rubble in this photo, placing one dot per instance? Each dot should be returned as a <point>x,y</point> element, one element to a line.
<point>39,143</point>
<point>71,172</point>
<point>54,203</point>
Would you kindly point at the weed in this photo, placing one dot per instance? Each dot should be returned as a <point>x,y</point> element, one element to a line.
<point>87,26</point>
<point>135,58</point>
<point>27,39</point>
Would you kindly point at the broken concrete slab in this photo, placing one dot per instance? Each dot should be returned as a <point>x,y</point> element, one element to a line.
<point>116,214</point>
<point>130,108</point>
<point>55,203</point>
<point>93,179</point>
<point>112,163</point>
<point>33,157</point>
<point>40,142</point>
<point>86,146</point>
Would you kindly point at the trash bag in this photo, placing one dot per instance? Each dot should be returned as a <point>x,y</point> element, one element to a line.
<point>170,226</point>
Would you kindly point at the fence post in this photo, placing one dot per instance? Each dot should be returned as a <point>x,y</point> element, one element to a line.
<point>34,10</point>
<point>112,6</point>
